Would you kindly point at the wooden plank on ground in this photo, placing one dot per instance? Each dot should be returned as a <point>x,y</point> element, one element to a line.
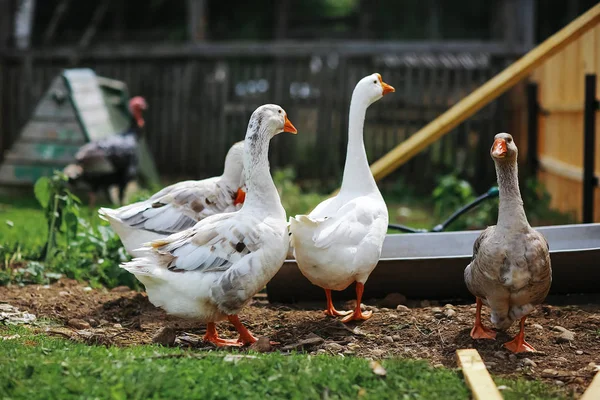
<point>477,376</point>
<point>484,94</point>
<point>593,391</point>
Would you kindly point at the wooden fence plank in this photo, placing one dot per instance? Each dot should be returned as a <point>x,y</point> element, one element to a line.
<point>211,111</point>
<point>282,48</point>
<point>479,380</point>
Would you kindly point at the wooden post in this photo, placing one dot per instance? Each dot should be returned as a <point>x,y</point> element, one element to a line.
<point>589,147</point>
<point>484,94</point>
<point>90,32</point>
<point>533,115</point>
<point>477,376</point>
<point>59,11</point>
<point>197,25</point>
<point>281,19</point>
<point>23,21</point>
<point>6,22</point>
<point>527,22</point>
<point>434,19</point>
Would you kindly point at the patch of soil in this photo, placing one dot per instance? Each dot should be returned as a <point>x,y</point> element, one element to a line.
<point>125,317</point>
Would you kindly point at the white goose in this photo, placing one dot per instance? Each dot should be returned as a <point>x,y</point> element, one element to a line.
<point>179,206</point>
<point>209,272</point>
<point>340,241</point>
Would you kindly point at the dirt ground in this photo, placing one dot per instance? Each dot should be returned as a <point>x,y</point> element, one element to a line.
<point>123,317</point>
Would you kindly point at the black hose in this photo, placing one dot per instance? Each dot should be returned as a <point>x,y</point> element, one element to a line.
<point>493,192</point>
<point>407,229</point>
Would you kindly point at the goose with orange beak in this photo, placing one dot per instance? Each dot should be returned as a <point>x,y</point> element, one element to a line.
<point>510,271</point>
<point>340,241</point>
<point>211,271</point>
<point>180,206</point>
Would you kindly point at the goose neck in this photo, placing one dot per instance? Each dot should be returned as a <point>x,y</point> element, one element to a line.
<point>262,196</point>
<point>511,213</point>
<point>357,174</point>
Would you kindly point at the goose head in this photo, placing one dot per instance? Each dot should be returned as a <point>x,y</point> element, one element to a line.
<point>269,120</point>
<point>372,88</point>
<point>504,148</point>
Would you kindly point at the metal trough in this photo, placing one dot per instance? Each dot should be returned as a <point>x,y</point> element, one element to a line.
<point>431,265</point>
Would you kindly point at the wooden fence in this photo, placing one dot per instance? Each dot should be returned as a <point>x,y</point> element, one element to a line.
<point>201,98</point>
<point>561,100</point>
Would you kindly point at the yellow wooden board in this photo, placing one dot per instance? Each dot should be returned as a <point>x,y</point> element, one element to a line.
<point>477,376</point>
<point>593,391</point>
<point>485,94</point>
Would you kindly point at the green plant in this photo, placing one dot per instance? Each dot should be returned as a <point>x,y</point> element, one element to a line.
<point>451,193</point>
<point>75,246</point>
<point>294,200</point>
<point>61,209</point>
<point>402,192</point>
<point>536,200</point>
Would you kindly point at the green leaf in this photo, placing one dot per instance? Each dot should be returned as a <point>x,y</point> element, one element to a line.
<point>72,223</point>
<point>43,191</point>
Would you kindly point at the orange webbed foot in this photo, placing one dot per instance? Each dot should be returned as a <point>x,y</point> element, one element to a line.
<point>358,315</point>
<point>224,342</point>
<point>481,332</point>
<point>519,345</point>
<point>212,337</point>
<point>332,312</point>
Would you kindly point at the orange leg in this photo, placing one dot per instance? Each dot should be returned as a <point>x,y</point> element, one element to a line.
<point>331,311</point>
<point>518,344</point>
<point>245,336</point>
<point>358,315</point>
<point>211,336</point>
<point>479,331</point>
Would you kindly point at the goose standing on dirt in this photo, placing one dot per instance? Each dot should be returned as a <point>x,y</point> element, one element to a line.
<point>510,271</point>
<point>340,241</point>
<point>209,272</point>
<point>179,206</point>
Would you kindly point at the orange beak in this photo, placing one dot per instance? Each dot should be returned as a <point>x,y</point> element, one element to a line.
<point>499,148</point>
<point>240,197</point>
<point>386,88</point>
<point>289,127</point>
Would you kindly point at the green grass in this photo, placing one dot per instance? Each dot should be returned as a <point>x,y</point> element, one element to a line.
<point>22,224</point>
<point>37,366</point>
<point>94,255</point>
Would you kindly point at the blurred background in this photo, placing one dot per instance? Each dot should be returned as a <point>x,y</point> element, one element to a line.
<point>205,65</point>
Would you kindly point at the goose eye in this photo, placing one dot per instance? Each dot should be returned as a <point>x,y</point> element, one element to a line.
<point>279,111</point>
<point>375,82</point>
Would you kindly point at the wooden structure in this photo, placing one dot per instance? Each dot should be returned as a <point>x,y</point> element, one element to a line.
<point>477,376</point>
<point>77,107</point>
<point>561,82</point>
<point>484,94</point>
